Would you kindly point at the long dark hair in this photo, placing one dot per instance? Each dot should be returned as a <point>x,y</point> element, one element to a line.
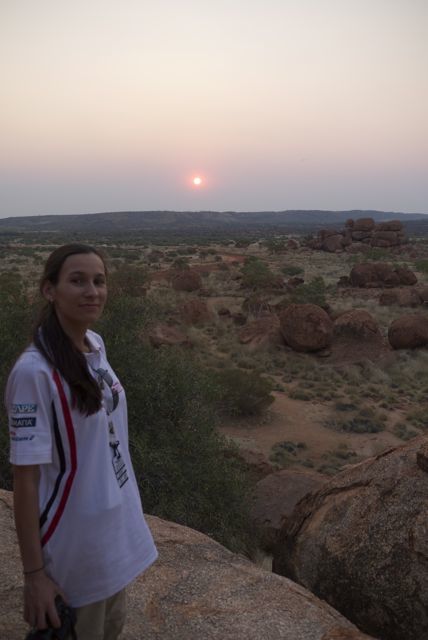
<point>55,345</point>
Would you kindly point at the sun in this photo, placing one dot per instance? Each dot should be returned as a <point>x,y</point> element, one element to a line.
<point>197,181</point>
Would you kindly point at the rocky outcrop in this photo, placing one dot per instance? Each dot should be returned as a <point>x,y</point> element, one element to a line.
<point>306,327</point>
<point>186,280</point>
<point>361,225</point>
<point>380,274</point>
<point>356,324</point>
<point>361,543</point>
<point>409,332</point>
<point>333,243</point>
<point>194,312</point>
<point>423,293</point>
<point>255,461</point>
<point>165,335</point>
<point>197,589</point>
<point>275,497</point>
<point>356,336</point>
<point>262,333</point>
<point>405,297</point>
<point>406,275</point>
<point>359,234</point>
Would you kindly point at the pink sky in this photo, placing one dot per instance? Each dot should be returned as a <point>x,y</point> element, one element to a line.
<point>277,104</point>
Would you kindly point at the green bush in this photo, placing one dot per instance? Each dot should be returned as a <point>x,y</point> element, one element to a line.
<point>402,431</point>
<point>291,270</point>
<point>374,254</point>
<point>256,274</point>
<point>422,265</point>
<point>366,420</point>
<point>16,316</point>
<point>243,393</point>
<point>418,418</point>
<point>275,245</point>
<point>181,263</point>
<point>285,453</point>
<point>314,293</point>
<point>185,470</point>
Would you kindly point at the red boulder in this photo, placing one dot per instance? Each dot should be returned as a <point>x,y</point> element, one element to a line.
<point>306,327</point>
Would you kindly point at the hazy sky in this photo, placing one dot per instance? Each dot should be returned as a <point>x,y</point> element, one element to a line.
<point>276,104</point>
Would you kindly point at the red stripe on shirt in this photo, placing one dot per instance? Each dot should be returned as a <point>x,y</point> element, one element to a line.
<point>73,459</point>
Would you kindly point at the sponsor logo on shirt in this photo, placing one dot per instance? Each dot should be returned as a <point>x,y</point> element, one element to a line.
<point>23,422</point>
<point>24,407</point>
<point>21,438</point>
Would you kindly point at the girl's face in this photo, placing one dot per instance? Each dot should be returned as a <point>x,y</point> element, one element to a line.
<point>80,294</point>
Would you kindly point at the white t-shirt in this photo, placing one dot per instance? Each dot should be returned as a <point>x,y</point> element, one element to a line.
<point>94,536</point>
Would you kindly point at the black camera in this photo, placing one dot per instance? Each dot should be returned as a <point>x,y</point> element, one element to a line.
<point>66,631</point>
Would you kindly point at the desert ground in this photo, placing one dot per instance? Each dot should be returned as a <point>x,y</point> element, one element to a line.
<point>331,407</point>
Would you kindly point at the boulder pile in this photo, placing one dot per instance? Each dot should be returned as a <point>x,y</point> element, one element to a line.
<point>373,275</point>
<point>359,234</point>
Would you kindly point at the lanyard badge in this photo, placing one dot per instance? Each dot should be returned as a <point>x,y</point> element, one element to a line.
<point>118,462</point>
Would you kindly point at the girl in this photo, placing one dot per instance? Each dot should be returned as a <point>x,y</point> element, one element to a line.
<point>79,520</point>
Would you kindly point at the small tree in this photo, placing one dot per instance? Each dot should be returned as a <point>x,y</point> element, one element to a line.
<point>243,393</point>
<point>314,292</point>
<point>256,274</point>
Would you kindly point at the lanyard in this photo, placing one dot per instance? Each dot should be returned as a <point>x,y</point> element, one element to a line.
<point>104,376</point>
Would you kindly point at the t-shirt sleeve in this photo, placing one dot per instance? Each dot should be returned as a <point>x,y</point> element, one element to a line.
<point>29,408</point>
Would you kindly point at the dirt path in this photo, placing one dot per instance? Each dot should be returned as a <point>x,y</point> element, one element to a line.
<point>299,421</point>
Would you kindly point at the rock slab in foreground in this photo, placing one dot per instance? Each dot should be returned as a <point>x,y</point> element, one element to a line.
<point>196,590</point>
<point>361,543</point>
<point>200,590</point>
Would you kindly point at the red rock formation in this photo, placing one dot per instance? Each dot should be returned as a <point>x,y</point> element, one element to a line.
<point>361,543</point>
<point>186,280</point>
<point>356,324</point>
<point>380,274</point>
<point>197,590</point>
<point>401,298</point>
<point>360,233</point>
<point>409,332</point>
<point>195,312</point>
<point>406,275</point>
<point>262,333</point>
<point>275,497</point>
<point>363,224</point>
<point>163,334</point>
<point>306,327</point>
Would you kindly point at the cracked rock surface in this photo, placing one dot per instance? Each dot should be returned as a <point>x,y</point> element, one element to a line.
<point>196,590</point>
<point>361,543</point>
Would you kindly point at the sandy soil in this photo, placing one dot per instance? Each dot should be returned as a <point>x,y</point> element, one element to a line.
<point>300,421</point>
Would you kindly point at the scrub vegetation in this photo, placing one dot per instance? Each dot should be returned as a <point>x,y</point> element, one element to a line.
<point>187,472</point>
<point>192,409</point>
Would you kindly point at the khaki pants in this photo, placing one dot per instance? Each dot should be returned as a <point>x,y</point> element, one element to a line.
<point>102,620</point>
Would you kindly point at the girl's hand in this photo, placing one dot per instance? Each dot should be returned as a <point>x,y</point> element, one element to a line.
<point>39,601</point>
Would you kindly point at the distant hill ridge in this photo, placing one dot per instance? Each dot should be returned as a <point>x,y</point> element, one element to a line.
<point>125,221</point>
